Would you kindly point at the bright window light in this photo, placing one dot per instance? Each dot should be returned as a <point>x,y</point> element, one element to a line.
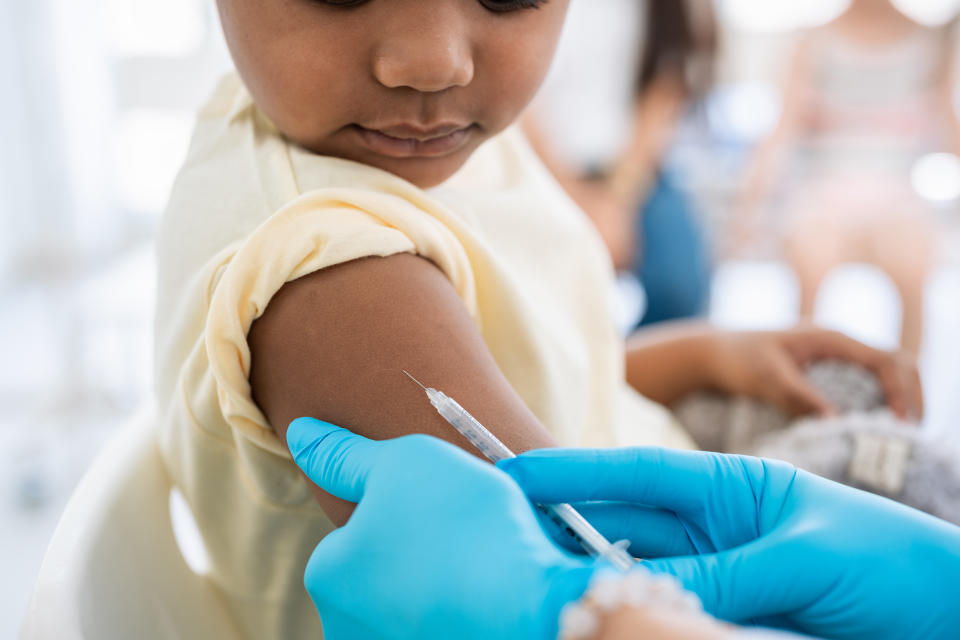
<point>172,28</point>
<point>936,177</point>
<point>148,147</point>
<point>780,15</point>
<point>744,111</point>
<point>187,534</point>
<point>786,15</point>
<point>929,12</point>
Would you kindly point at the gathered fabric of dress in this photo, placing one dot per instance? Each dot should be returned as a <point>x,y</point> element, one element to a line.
<point>249,212</point>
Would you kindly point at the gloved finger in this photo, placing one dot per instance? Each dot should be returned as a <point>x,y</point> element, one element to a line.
<point>679,481</point>
<point>738,585</point>
<point>709,577</point>
<point>327,558</point>
<point>653,533</point>
<point>792,392</point>
<point>331,559</point>
<point>337,460</point>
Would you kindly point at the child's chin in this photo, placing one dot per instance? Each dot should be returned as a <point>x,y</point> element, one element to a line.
<point>424,172</point>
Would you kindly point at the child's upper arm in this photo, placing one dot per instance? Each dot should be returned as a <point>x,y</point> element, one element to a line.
<point>333,344</point>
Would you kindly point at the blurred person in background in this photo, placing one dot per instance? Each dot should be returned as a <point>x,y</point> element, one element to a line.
<point>627,92</point>
<point>866,95</point>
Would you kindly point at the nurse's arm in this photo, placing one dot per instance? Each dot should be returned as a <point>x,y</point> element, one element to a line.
<point>333,344</point>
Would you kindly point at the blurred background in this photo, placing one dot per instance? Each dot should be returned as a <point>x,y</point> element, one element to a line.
<point>751,161</point>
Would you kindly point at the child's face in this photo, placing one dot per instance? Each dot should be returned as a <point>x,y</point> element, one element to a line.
<point>410,86</point>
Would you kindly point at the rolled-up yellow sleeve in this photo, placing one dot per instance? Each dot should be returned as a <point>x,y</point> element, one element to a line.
<point>318,230</point>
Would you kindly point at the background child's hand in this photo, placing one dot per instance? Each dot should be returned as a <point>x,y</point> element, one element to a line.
<point>769,365</point>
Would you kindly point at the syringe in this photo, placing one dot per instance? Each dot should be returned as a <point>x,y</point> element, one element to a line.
<point>565,516</point>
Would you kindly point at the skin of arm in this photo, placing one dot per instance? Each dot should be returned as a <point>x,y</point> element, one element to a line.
<point>668,361</point>
<point>655,116</point>
<point>765,164</point>
<point>333,344</point>
<point>948,84</point>
<point>610,214</point>
<point>631,623</point>
<point>611,203</point>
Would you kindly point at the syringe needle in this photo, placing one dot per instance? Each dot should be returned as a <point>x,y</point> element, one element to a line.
<point>414,379</point>
<point>489,445</point>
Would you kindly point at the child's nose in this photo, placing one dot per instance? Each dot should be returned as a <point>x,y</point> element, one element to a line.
<point>425,52</point>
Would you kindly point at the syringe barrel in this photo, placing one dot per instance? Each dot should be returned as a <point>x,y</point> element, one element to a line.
<point>564,515</point>
<point>478,435</point>
<point>589,538</point>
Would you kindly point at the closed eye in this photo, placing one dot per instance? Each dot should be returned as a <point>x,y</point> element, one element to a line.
<point>497,6</point>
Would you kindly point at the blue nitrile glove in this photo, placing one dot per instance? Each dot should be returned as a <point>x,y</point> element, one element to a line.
<point>771,543</point>
<point>441,544</point>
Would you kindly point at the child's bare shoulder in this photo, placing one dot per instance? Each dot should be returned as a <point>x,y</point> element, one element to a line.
<point>333,344</point>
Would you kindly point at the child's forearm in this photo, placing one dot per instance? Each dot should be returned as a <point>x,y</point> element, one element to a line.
<point>665,363</point>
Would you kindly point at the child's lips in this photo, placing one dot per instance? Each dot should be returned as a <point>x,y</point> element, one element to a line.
<point>418,145</point>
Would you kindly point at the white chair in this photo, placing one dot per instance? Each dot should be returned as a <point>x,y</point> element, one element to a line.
<point>113,568</point>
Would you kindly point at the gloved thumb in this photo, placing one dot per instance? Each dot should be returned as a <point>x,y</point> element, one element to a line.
<point>337,460</point>
<point>718,580</point>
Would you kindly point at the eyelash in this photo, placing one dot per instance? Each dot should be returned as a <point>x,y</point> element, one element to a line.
<point>503,6</point>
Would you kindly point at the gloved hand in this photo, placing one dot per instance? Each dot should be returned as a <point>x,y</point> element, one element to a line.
<point>441,544</point>
<point>771,543</point>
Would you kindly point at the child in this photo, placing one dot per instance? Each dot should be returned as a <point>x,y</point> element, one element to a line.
<point>615,167</point>
<point>867,95</point>
<point>354,207</point>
